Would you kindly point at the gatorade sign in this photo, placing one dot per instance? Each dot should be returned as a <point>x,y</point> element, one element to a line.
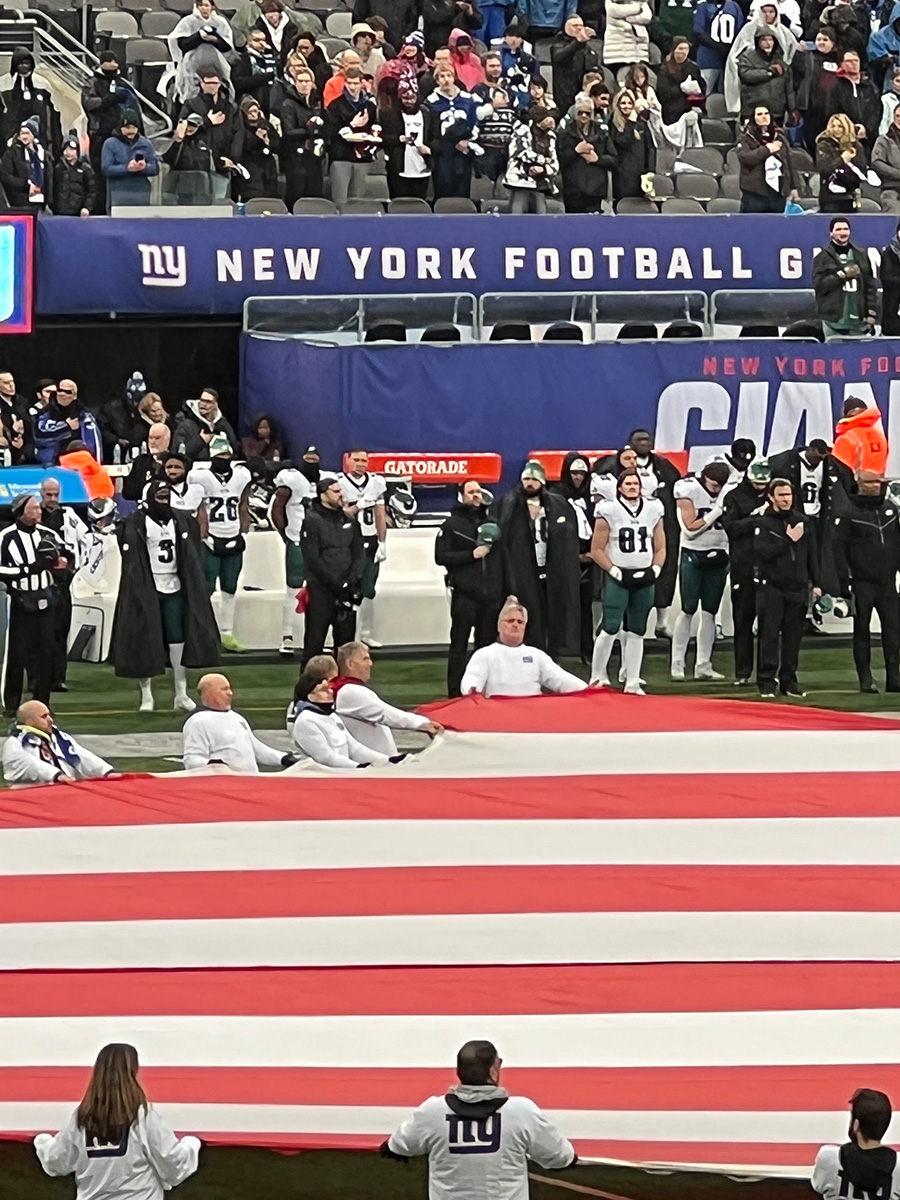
<point>438,468</point>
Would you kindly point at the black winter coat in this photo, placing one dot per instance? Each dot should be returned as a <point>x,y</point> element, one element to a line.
<point>520,572</point>
<point>668,91</point>
<point>193,153</point>
<point>74,188</point>
<point>138,648</point>
<point>15,178</point>
<point>860,101</point>
<point>829,286</point>
<point>338,115</point>
<point>478,578</point>
<point>588,179</point>
<point>442,16</point>
<point>103,100</point>
<point>890,294</point>
<point>635,156</point>
<point>253,76</point>
<point>221,137</point>
<point>333,551</point>
<point>402,16</point>
<point>571,61</point>
<point>865,539</point>
<point>739,523</point>
<point>780,562</point>
<point>259,159</point>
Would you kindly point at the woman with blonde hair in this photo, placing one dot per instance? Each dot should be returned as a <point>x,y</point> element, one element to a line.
<point>115,1144</point>
<point>635,153</point>
<point>841,163</point>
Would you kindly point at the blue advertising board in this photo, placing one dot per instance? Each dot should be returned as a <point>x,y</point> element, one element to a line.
<point>197,267</point>
<point>16,273</point>
<point>16,481</point>
<point>514,398</point>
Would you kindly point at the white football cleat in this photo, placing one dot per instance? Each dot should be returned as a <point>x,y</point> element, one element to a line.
<point>676,673</point>
<point>634,689</point>
<point>183,704</point>
<point>707,672</point>
<point>601,683</point>
<point>146,705</point>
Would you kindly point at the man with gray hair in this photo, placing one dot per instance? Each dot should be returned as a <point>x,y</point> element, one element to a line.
<point>148,465</point>
<point>367,717</point>
<point>510,668</point>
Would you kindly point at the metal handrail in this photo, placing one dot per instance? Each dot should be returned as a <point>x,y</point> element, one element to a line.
<point>74,62</point>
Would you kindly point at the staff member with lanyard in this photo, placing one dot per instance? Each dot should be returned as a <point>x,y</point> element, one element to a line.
<point>28,553</point>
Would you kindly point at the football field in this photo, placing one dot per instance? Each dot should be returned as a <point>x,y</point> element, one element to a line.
<point>100,704</point>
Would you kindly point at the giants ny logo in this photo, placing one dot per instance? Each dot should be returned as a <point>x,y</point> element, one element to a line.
<point>163,266</point>
<point>469,1135</point>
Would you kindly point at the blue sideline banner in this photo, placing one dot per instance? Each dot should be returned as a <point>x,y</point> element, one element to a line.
<point>513,399</point>
<point>200,267</point>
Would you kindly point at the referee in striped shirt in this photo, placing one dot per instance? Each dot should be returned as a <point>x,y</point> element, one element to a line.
<point>26,560</point>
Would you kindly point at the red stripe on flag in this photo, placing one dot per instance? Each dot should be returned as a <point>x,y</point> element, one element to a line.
<point>609,711</point>
<point>445,890</point>
<point>645,1089</point>
<point>339,991</point>
<point>222,799</point>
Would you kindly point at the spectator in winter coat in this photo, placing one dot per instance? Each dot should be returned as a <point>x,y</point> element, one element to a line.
<point>532,166</point>
<point>467,65</point>
<point>313,57</point>
<point>788,15</point>
<point>256,147</point>
<point>851,24</point>
<point>635,155</point>
<point>264,441</point>
<point>586,154</point>
<point>572,57</point>
<point>406,130</point>
<point>353,135</point>
<point>815,74</point>
<point>768,175</point>
<point>846,291</point>
<point>841,164</point>
<point>455,133</point>
<point>201,43</point>
<point>65,420</point>
<point>276,27</point>
<point>766,22</point>
<point>856,95</point>
<point>765,79</point>
<point>884,49</point>
<point>362,39</point>
<point>253,71</point>
<point>678,83</point>
<point>402,16</point>
<point>626,39</point>
<point>26,94</point>
<point>120,418</point>
<point>74,183</point>
<point>219,127</point>
<point>128,163</point>
<point>890,284</point>
<point>886,155</point>
<point>495,133</point>
<point>26,170</point>
<point>441,17</point>
<point>716,24</point>
<point>517,65</point>
<point>248,13</point>
<point>544,18</point>
<point>302,140</point>
<point>859,440</point>
<point>191,150</point>
<point>889,101</point>
<point>200,421</point>
<point>104,100</point>
<point>335,85</point>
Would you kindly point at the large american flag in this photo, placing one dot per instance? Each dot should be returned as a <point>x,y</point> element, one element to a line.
<point>677,919</point>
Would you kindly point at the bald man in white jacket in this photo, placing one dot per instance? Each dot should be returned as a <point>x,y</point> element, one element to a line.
<point>367,717</point>
<point>215,733</point>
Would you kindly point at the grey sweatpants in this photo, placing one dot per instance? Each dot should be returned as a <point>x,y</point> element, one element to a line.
<point>348,179</point>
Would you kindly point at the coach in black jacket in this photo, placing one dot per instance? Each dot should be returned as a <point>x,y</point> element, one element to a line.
<point>739,522</point>
<point>333,557</point>
<point>786,561</point>
<point>473,576</point>
<point>865,536</point>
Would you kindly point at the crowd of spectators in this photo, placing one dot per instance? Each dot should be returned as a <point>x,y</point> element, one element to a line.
<point>459,97</point>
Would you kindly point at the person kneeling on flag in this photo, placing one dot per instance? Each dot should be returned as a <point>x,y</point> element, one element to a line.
<point>629,543</point>
<point>510,668</point>
<point>367,717</point>
<point>862,1166</point>
<point>215,733</point>
<point>477,1137</point>
<point>37,751</point>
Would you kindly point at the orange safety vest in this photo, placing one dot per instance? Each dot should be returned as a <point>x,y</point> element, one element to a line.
<point>95,478</point>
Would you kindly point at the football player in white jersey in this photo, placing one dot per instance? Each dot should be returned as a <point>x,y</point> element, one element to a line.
<point>861,1169</point>
<point>703,569</point>
<point>629,543</point>
<point>604,484</point>
<point>293,492</point>
<point>224,517</point>
<point>478,1139</point>
<point>363,496</point>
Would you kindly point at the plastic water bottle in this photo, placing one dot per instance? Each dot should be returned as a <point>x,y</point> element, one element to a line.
<point>240,209</point>
<point>117,454</point>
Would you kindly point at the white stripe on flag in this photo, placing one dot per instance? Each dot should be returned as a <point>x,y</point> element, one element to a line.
<point>324,845</point>
<point>446,940</point>
<point>655,1125</point>
<point>717,1039</point>
<point>699,752</point>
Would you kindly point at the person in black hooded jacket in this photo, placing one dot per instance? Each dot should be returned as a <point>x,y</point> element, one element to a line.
<point>739,522</point>
<point>29,96</point>
<point>74,183</point>
<point>786,558</point>
<point>575,485</point>
<point>473,576</point>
